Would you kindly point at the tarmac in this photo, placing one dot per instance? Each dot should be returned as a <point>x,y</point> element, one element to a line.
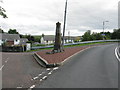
<point>57,59</point>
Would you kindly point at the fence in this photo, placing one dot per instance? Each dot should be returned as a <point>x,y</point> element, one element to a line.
<point>42,47</point>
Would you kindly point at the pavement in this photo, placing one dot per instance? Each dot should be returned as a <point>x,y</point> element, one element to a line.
<point>96,67</point>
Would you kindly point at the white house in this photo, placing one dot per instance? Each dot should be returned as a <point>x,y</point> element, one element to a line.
<point>12,39</point>
<point>50,39</point>
<point>47,39</point>
<point>9,39</point>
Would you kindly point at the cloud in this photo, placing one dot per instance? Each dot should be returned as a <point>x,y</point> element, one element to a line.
<point>39,16</point>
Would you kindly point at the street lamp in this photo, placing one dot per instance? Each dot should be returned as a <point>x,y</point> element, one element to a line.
<point>104,25</point>
<point>104,29</point>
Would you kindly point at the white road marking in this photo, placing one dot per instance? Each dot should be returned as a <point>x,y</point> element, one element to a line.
<point>48,69</point>
<point>117,54</point>
<point>50,73</point>
<point>118,51</point>
<point>32,86</point>
<point>19,87</point>
<point>39,74</point>
<point>35,78</point>
<point>45,77</point>
<point>6,61</point>
<point>2,67</point>
<point>42,72</point>
<point>40,80</point>
<point>55,68</point>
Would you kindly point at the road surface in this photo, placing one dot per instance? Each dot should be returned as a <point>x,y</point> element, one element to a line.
<point>18,69</point>
<point>96,67</point>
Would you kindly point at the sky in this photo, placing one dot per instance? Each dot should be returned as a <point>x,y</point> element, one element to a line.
<point>40,16</point>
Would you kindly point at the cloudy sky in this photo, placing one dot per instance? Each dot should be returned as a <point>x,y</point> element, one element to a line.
<point>40,16</point>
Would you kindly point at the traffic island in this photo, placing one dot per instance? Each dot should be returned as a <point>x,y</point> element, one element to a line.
<point>56,59</point>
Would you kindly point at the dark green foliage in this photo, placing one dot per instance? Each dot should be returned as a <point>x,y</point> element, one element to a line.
<point>1,31</point>
<point>87,36</point>
<point>2,12</point>
<point>95,36</point>
<point>116,34</point>
<point>13,31</point>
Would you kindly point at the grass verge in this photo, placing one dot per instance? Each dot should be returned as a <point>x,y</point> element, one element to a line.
<point>71,46</point>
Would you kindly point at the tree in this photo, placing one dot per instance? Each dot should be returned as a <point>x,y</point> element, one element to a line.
<point>43,35</point>
<point>30,38</point>
<point>13,31</point>
<point>94,36</point>
<point>116,34</point>
<point>97,36</point>
<point>87,36</point>
<point>1,31</point>
<point>2,12</point>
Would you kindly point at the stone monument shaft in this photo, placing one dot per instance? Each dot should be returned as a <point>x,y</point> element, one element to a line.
<point>57,45</point>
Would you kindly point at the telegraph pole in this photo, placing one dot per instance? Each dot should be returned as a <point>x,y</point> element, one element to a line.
<point>63,38</point>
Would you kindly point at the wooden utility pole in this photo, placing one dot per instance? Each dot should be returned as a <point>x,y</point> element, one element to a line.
<point>63,38</point>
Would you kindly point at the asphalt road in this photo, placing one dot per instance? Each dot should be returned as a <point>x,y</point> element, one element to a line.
<point>96,67</point>
<point>18,69</point>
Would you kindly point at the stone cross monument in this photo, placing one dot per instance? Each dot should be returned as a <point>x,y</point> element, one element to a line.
<point>57,45</point>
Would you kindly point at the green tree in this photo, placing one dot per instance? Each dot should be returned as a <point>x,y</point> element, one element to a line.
<point>116,34</point>
<point>2,12</point>
<point>87,36</point>
<point>13,31</point>
<point>1,31</point>
<point>97,36</point>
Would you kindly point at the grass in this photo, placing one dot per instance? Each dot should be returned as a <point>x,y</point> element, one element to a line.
<point>71,46</point>
<point>86,44</point>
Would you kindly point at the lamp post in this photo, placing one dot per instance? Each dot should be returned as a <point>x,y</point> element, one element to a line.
<point>104,29</point>
<point>104,25</point>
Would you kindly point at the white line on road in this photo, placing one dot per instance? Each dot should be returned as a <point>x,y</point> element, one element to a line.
<point>55,68</point>
<point>35,78</point>
<point>48,69</point>
<point>50,72</point>
<point>38,76</point>
<point>6,61</point>
<point>2,67</point>
<point>19,87</point>
<point>40,80</point>
<point>117,54</point>
<point>32,86</point>
<point>45,77</point>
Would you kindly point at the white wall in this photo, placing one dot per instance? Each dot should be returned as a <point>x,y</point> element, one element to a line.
<point>16,42</point>
<point>1,42</point>
<point>28,46</point>
<point>42,40</point>
<point>49,42</point>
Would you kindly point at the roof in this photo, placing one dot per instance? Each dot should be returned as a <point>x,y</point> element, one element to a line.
<point>10,36</point>
<point>49,37</point>
<point>23,40</point>
<point>52,37</point>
